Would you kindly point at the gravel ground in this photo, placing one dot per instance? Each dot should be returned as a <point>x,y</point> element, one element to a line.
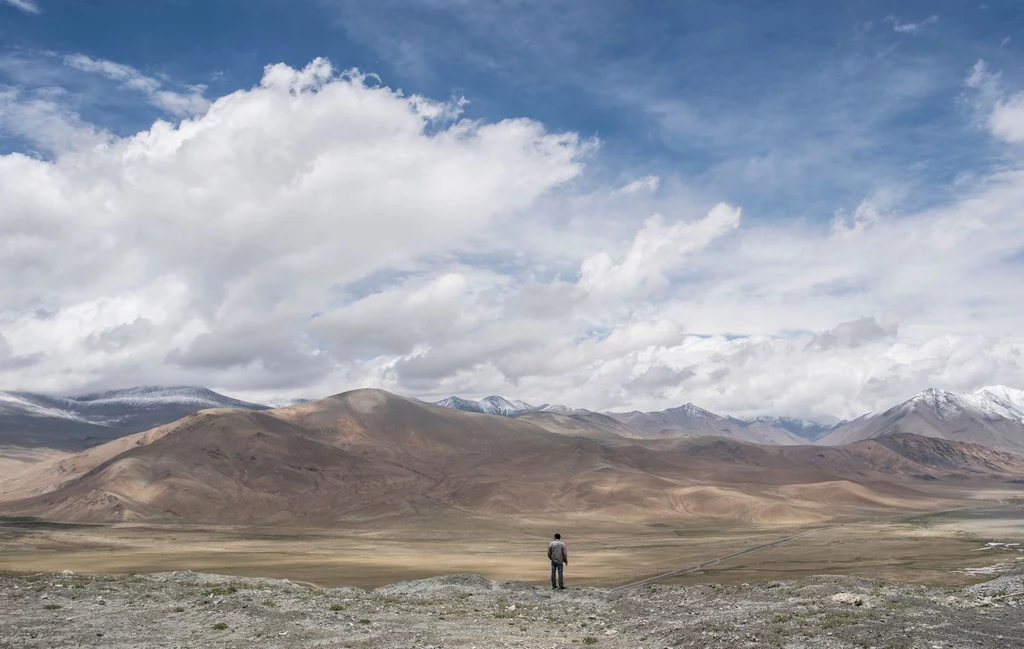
<point>184,609</point>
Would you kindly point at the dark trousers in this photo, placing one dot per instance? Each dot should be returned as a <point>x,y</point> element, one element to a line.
<point>556,568</point>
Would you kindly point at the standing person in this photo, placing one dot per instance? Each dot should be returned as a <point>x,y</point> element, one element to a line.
<point>559,556</point>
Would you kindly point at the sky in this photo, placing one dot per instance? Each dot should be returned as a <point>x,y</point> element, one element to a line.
<point>793,208</point>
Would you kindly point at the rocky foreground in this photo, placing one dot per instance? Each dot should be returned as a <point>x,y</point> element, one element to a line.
<point>184,609</point>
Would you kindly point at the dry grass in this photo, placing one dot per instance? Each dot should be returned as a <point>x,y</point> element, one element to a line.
<point>601,552</point>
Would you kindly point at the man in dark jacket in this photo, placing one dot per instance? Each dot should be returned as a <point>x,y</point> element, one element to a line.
<point>559,557</point>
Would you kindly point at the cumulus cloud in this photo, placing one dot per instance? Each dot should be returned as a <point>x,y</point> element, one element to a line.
<point>255,211</point>
<point>318,232</point>
<point>655,253</point>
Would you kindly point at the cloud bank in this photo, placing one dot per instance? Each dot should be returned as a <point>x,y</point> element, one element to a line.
<point>321,231</point>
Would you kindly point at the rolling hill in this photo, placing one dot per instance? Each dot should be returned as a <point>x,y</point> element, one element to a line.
<point>369,454</point>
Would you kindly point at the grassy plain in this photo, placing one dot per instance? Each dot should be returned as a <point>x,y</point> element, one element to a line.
<point>927,550</point>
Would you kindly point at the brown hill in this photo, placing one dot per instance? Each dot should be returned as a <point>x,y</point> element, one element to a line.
<point>592,425</point>
<point>368,453</point>
<point>892,457</point>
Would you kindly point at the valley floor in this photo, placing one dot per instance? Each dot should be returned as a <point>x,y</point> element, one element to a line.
<point>937,549</point>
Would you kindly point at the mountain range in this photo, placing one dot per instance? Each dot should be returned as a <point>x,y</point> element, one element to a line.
<point>369,454</point>
<point>686,420</point>
<point>992,416</point>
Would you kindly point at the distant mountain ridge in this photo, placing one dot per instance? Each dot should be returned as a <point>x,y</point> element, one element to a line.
<point>992,416</point>
<point>76,422</point>
<point>495,405</point>
<point>803,428</point>
<point>690,420</point>
<point>686,420</point>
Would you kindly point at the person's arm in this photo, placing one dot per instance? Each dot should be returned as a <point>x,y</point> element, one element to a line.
<point>565,554</point>
<point>549,551</point>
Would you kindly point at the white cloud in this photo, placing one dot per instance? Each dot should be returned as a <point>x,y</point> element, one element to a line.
<point>28,6</point>
<point>40,118</point>
<point>647,183</point>
<point>175,103</point>
<point>1002,111</point>
<point>909,27</point>
<point>655,252</point>
<point>317,233</point>
<point>1007,119</point>
<point>255,211</point>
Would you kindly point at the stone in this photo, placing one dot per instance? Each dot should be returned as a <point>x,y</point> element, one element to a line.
<point>853,599</point>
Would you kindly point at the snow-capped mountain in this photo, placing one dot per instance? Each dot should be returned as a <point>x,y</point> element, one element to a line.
<point>13,403</point>
<point>1003,396</point>
<point>154,397</point>
<point>495,405</point>
<point>28,419</point>
<point>992,416</point>
<point>458,403</point>
<point>492,405</point>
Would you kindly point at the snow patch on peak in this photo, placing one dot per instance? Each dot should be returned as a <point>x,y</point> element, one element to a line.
<point>1009,395</point>
<point>562,410</point>
<point>458,403</point>
<point>693,411</point>
<point>495,405</point>
<point>151,396</point>
<point>24,404</point>
<point>492,405</point>
<point>989,403</point>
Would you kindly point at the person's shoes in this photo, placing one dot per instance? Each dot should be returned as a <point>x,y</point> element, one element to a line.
<point>561,588</point>
<point>554,588</point>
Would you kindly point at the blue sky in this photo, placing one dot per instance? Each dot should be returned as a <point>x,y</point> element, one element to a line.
<point>819,171</point>
<point>791,108</point>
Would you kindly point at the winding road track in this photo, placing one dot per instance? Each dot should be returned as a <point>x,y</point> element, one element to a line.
<point>777,542</point>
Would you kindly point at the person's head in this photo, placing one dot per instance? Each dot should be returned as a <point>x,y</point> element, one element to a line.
<point>558,536</point>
